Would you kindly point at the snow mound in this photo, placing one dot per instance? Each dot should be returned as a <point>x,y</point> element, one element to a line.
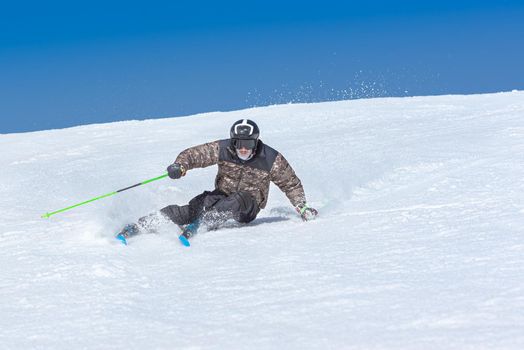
<point>419,243</point>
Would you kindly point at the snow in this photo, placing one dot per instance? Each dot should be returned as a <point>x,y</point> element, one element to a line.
<point>419,243</point>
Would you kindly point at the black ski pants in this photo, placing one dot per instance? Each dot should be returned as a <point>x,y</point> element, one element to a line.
<point>240,206</point>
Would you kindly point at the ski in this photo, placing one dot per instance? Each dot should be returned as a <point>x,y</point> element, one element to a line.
<point>184,240</point>
<point>187,232</point>
<point>121,238</point>
<point>128,231</point>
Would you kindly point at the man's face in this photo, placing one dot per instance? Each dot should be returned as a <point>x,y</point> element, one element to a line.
<point>244,153</point>
<point>244,148</point>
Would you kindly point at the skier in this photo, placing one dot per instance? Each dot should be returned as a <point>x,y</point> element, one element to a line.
<point>246,166</point>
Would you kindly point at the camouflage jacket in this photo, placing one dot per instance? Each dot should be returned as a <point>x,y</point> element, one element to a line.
<point>252,176</point>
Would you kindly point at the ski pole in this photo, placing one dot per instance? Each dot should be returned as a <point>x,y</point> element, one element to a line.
<point>47,215</point>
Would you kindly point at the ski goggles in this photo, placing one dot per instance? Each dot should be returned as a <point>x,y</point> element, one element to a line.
<point>244,129</point>
<point>247,144</point>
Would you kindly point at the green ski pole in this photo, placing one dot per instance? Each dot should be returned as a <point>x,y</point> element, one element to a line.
<point>47,215</point>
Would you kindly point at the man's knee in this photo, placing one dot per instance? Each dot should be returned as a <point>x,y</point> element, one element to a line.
<point>178,214</point>
<point>246,205</point>
<point>244,199</point>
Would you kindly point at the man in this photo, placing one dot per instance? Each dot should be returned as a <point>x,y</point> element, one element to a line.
<point>246,166</point>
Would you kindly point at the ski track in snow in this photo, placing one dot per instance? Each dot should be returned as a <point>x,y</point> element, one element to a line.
<point>419,243</point>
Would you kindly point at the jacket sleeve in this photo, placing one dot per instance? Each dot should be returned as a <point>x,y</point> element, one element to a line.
<point>199,156</point>
<point>283,175</point>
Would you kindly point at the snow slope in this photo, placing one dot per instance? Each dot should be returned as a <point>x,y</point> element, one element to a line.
<point>419,243</point>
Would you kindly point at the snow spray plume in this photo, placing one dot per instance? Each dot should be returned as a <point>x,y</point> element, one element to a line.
<point>46,215</point>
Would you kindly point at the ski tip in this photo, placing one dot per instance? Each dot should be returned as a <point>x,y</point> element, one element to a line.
<point>184,241</point>
<point>122,239</point>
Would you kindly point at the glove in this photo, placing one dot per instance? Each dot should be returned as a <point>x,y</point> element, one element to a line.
<point>176,171</point>
<point>306,213</point>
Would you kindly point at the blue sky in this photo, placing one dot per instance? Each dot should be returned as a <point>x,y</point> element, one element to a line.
<point>71,63</point>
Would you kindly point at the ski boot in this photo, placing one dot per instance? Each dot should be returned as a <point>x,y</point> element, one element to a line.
<point>128,231</point>
<point>188,231</point>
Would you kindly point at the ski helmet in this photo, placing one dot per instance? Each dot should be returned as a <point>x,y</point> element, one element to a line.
<point>244,133</point>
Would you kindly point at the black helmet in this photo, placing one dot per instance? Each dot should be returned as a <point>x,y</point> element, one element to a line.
<point>244,133</point>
